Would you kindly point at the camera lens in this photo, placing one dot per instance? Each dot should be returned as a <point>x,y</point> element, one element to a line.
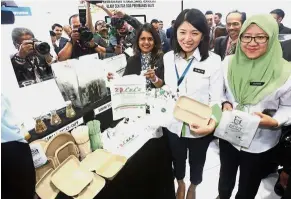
<point>85,34</point>
<point>42,48</point>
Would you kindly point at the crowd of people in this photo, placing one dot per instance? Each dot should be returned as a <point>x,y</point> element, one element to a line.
<point>241,65</point>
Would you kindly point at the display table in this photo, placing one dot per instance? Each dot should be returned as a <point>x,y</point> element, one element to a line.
<point>146,175</point>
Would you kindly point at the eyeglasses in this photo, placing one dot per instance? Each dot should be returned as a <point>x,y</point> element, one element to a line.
<point>257,39</point>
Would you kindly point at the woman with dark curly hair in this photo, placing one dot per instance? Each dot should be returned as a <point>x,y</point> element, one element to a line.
<point>148,56</point>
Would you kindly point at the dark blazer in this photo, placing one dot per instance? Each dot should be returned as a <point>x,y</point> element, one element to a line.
<point>283,29</point>
<point>220,45</point>
<point>286,47</point>
<point>63,42</point>
<point>169,32</point>
<point>133,66</point>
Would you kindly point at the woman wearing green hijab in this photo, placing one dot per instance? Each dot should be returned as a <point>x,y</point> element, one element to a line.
<point>257,79</point>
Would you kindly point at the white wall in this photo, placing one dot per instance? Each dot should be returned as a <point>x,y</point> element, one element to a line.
<point>249,6</point>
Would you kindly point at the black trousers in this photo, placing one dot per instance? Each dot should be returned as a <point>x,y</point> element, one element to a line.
<point>197,154</point>
<point>17,171</point>
<point>250,165</point>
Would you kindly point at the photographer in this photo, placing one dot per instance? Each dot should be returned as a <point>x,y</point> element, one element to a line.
<point>121,37</point>
<point>33,59</point>
<point>82,41</point>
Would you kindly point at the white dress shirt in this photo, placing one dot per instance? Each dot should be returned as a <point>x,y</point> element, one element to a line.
<point>205,87</point>
<point>280,100</point>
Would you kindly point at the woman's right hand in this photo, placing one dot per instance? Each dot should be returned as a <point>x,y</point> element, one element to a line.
<point>110,76</point>
<point>227,106</point>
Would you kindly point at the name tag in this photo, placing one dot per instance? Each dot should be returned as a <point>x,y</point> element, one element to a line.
<point>257,83</point>
<point>197,70</point>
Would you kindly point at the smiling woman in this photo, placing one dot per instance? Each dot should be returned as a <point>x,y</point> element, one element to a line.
<point>257,79</point>
<point>194,72</point>
<point>148,57</point>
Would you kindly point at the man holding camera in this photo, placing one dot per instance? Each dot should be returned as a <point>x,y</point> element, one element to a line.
<point>81,42</point>
<point>121,37</point>
<point>32,61</point>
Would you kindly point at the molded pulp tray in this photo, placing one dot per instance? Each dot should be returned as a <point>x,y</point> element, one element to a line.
<point>93,189</point>
<point>104,163</point>
<point>45,188</point>
<point>192,111</point>
<point>70,178</point>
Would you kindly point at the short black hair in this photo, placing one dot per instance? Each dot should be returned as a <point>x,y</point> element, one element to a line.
<point>75,15</point>
<point>279,12</point>
<point>209,12</point>
<point>154,21</point>
<point>157,50</point>
<point>197,19</point>
<point>173,21</point>
<point>218,14</point>
<point>18,32</point>
<point>52,33</point>
<point>56,25</point>
<point>243,16</point>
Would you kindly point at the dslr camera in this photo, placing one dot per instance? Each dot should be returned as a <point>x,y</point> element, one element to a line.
<point>117,22</point>
<point>85,34</point>
<point>40,47</point>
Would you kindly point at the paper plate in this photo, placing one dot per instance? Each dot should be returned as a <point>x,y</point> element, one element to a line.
<point>192,111</point>
<point>40,171</point>
<point>92,189</point>
<point>45,189</point>
<point>69,178</point>
<point>103,163</point>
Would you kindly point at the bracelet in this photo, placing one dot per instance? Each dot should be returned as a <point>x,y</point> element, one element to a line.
<point>226,102</point>
<point>156,80</point>
<point>19,60</point>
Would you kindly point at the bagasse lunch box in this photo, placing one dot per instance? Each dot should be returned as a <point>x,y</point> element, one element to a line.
<point>191,111</point>
<point>103,163</point>
<point>45,189</point>
<point>92,189</point>
<point>70,178</point>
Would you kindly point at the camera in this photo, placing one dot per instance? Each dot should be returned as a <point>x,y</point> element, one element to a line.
<point>85,34</point>
<point>117,22</point>
<point>42,48</point>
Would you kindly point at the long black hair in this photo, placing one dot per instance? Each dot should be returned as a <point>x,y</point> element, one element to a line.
<point>156,52</point>
<point>197,19</point>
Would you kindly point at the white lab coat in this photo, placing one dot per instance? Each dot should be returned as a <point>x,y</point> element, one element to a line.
<point>206,88</point>
<point>280,100</point>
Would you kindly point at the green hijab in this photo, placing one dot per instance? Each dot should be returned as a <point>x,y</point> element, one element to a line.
<point>269,68</point>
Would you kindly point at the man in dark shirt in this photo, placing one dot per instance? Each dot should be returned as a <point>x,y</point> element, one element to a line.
<point>279,15</point>
<point>60,41</point>
<point>170,30</point>
<point>30,65</point>
<point>76,47</point>
<point>286,47</point>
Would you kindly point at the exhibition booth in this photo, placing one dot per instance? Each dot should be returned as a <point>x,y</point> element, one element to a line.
<point>90,137</point>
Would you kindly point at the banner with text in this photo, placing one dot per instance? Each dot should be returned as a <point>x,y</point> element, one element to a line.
<point>118,4</point>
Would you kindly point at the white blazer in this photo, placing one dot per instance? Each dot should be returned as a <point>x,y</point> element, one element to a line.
<point>203,82</point>
<point>280,100</point>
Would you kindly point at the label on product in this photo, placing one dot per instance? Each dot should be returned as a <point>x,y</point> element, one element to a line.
<point>66,128</point>
<point>103,108</point>
<point>38,155</point>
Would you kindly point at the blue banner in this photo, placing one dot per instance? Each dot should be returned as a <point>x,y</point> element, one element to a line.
<point>18,11</point>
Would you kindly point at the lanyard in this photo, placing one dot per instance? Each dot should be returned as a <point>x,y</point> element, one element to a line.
<point>180,79</point>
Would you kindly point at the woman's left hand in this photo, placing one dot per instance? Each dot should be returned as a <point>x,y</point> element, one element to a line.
<point>151,75</point>
<point>267,121</point>
<point>203,130</point>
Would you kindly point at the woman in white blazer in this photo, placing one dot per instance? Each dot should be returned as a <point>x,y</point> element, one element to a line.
<point>192,71</point>
<point>258,82</point>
